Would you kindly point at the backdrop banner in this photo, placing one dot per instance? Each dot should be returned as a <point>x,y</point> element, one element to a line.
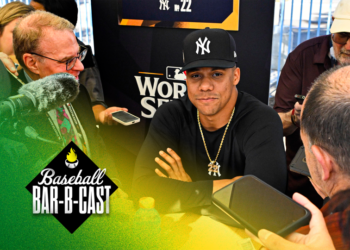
<point>192,14</point>
<point>140,65</point>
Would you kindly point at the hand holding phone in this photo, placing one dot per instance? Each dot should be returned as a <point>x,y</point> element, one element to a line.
<point>125,118</point>
<point>300,99</point>
<point>318,237</point>
<point>256,205</point>
<point>295,115</point>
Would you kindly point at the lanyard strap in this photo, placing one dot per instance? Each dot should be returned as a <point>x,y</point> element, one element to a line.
<point>78,127</point>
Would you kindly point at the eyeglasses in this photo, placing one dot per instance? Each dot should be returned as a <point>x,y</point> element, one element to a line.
<point>341,38</point>
<point>70,62</point>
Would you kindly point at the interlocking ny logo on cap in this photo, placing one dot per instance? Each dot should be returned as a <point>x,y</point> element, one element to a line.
<point>201,44</point>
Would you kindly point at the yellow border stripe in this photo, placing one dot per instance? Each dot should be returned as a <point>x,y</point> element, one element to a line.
<point>148,73</point>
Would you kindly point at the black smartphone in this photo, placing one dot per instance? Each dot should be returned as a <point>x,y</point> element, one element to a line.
<point>125,118</point>
<point>298,164</point>
<point>256,205</point>
<point>300,98</point>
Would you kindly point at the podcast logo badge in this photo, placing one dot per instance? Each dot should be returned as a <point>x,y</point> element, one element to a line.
<point>71,188</point>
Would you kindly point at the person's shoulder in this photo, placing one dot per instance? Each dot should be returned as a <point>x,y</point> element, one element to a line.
<point>309,45</point>
<point>175,107</point>
<point>9,83</point>
<point>83,93</point>
<point>176,113</point>
<point>250,101</point>
<point>251,108</point>
<point>22,76</point>
<point>255,116</point>
<point>82,101</point>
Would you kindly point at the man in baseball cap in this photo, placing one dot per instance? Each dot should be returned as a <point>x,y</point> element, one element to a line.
<point>219,132</point>
<point>303,65</point>
<point>209,48</point>
<point>341,32</point>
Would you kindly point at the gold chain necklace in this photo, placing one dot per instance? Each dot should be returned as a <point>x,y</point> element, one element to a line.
<point>214,166</point>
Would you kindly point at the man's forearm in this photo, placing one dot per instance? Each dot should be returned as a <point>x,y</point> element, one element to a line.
<point>288,126</point>
<point>98,109</point>
<point>218,184</point>
<point>173,195</point>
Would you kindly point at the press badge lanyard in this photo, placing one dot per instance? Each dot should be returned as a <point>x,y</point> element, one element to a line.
<point>78,129</point>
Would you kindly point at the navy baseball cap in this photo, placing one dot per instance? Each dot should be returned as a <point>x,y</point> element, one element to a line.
<point>209,48</point>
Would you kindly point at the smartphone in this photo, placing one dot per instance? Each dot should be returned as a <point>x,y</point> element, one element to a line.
<point>298,164</point>
<point>125,118</point>
<point>256,205</point>
<point>300,98</point>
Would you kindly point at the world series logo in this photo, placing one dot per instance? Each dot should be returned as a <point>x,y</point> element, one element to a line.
<point>157,90</point>
<point>71,188</point>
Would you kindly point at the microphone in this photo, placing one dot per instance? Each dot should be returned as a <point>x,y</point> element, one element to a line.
<point>41,96</point>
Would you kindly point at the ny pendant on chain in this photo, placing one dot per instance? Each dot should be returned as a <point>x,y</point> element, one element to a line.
<point>214,167</point>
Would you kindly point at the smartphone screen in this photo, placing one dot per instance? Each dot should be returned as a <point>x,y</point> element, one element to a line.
<point>257,205</point>
<point>124,116</point>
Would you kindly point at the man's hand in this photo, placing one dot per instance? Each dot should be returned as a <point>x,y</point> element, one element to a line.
<point>297,113</point>
<point>318,237</point>
<point>174,167</point>
<point>286,118</point>
<point>8,63</point>
<point>288,126</point>
<point>105,116</point>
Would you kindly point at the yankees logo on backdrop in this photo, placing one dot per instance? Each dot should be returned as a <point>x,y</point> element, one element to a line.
<point>164,4</point>
<point>201,44</point>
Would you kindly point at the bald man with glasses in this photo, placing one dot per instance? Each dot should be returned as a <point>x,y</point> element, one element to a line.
<point>303,65</point>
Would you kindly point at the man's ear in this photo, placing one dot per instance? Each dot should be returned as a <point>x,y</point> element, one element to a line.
<point>31,63</point>
<point>237,76</point>
<point>325,160</point>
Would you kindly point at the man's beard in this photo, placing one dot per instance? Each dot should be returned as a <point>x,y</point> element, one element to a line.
<point>341,59</point>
